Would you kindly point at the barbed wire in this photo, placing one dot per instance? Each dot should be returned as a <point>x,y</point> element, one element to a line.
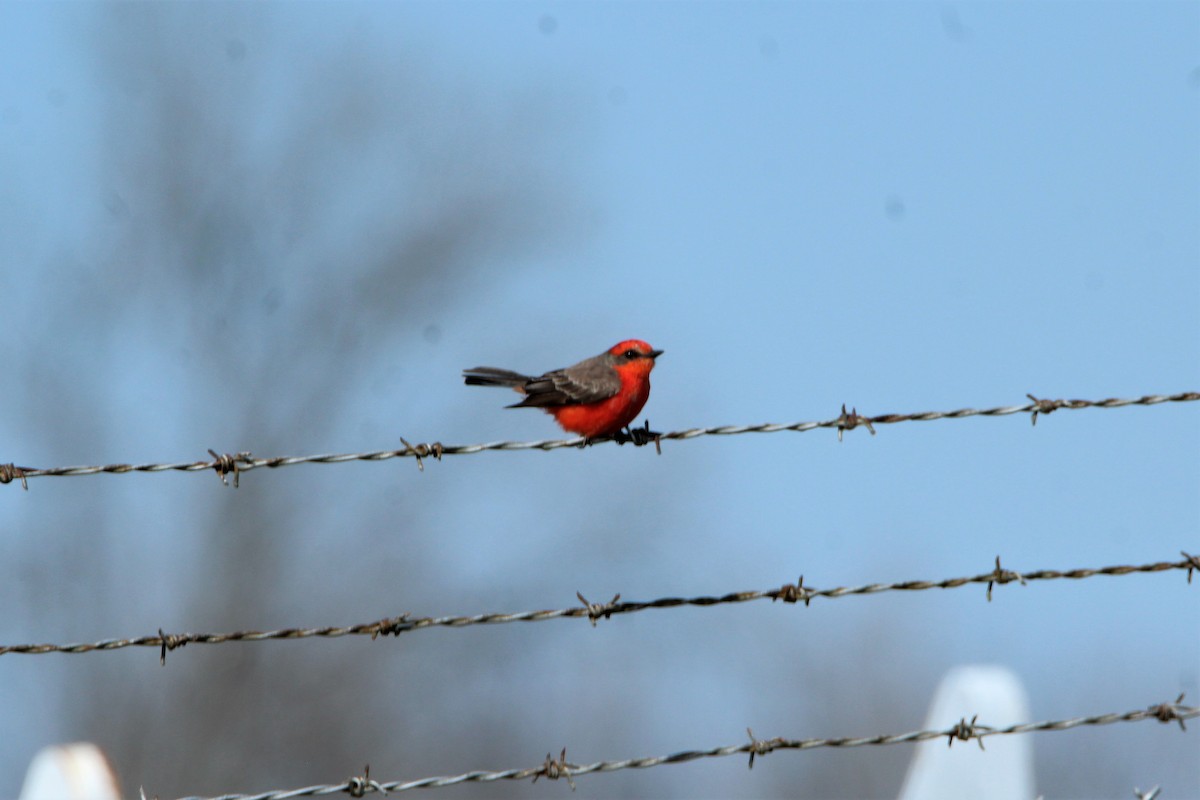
<point>555,768</point>
<point>226,464</point>
<point>788,593</point>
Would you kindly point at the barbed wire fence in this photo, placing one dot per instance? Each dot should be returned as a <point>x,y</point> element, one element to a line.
<point>556,768</point>
<point>788,593</point>
<point>234,464</point>
<point>231,465</point>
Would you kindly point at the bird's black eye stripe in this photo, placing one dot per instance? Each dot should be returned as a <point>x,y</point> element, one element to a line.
<point>631,353</point>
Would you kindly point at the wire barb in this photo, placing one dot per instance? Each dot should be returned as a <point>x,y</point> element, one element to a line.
<point>966,731</point>
<point>1046,406</point>
<point>389,626</point>
<point>555,768</point>
<point>793,593</point>
<point>226,463</point>
<point>169,642</point>
<point>1003,576</point>
<point>11,472</point>
<point>848,422</point>
<point>358,785</point>
<point>1193,562</point>
<point>1168,712</point>
<point>597,611</point>
<point>421,451</point>
<point>760,747</point>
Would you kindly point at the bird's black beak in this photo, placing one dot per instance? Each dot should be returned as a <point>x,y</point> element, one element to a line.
<point>654,354</point>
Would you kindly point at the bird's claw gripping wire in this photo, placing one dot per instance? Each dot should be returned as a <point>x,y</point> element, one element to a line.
<point>639,437</point>
<point>635,436</point>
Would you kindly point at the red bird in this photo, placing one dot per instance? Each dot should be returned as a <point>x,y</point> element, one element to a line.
<point>595,398</point>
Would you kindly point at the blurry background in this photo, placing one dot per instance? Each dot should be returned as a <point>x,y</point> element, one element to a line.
<point>286,229</point>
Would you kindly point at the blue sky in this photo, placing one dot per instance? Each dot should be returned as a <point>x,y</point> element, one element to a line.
<point>287,230</point>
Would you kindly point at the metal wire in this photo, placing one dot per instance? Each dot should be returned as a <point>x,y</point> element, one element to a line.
<point>226,464</point>
<point>554,768</point>
<point>789,593</point>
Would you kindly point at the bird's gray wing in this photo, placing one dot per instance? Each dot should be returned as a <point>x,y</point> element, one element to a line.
<point>589,381</point>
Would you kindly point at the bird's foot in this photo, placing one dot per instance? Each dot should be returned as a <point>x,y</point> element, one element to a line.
<point>639,437</point>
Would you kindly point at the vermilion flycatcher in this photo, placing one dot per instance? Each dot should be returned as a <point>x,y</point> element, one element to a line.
<point>597,397</point>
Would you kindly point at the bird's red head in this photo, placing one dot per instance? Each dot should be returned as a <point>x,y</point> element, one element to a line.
<point>634,355</point>
<point>633,358</point>
<point>633,349</point>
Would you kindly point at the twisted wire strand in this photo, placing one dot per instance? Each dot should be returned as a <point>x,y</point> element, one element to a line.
<point>789,593</point>
<point>559,768</point>
<point>229,463</point>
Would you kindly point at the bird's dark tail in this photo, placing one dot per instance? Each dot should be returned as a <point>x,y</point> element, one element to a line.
<point>490,376</point>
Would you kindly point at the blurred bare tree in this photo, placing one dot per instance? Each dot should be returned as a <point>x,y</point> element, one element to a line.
<point>280,220</point>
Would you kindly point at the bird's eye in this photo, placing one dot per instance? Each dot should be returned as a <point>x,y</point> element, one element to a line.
<point>631,353</point>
